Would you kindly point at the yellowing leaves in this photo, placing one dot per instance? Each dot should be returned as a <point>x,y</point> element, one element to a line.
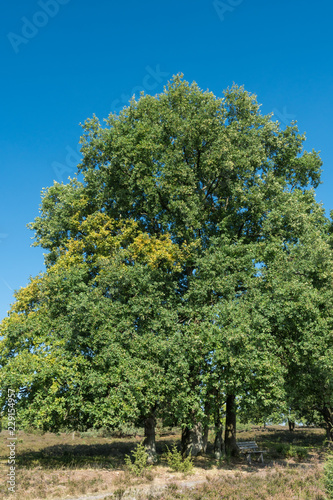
<point>29,296</point>
<point>100,236</point>
<point>157,252</point>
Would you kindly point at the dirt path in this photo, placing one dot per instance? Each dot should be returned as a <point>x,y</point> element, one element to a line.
<point>148,489</point>
<point>162,481</point>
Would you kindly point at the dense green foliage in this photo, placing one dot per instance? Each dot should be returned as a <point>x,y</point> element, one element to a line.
<point>190,268</point>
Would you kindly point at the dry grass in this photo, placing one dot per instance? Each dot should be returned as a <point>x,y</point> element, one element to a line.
<point>276,484</point>
<point>57,466</point>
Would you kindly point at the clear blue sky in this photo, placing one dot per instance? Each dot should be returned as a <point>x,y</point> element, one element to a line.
<point>63,60</point>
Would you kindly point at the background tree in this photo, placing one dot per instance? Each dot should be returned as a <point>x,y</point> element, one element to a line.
<point>299,282</point>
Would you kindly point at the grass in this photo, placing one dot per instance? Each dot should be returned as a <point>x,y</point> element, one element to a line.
<point>278,484</point>
<point>54,466</point>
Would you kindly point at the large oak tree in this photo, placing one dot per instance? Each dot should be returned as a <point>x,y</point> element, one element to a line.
<point>212,183</point>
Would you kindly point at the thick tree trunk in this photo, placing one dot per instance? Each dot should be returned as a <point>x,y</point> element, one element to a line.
<point>205,438</point>
<point>230,426</point>
<point>291,425</point>
<point>328,417</point>
<point>149,441</point>
<point>192,441</point>
<point>218,443</point>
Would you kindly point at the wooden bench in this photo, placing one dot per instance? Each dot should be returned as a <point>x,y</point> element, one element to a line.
<point>249,448</point>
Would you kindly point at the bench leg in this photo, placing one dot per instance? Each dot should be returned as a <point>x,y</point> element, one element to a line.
<point>248,458</point>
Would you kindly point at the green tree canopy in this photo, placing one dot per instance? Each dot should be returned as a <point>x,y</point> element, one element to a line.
<point>165,266</point>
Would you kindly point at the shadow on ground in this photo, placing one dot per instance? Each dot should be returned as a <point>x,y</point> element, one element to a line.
<point>111,455</point>
<point>106,455</point>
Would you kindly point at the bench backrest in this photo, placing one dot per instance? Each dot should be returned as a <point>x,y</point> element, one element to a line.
<point>247,445</point>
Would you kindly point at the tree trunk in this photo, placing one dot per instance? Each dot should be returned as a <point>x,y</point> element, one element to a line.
<point>149,441</point>
<point>230,426</point>
<point>291,425</point>
<point>206,426</point>
<point>218,443</point>
<point>205,439</point>
<point>328,417</point>
<point>192,441</point>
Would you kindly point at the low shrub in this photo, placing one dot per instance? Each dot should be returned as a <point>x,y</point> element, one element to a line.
<point>244,427</point>
<point>140,459</point>
<point>177,463</point>
<point>128,430</point>
<point>290,451</point>
<point>282,448</point>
